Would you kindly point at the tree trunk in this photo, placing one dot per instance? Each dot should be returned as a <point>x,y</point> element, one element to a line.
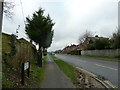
<point>39,56</point>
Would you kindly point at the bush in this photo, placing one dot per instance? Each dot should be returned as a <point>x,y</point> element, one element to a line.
<point>74,52</point>
<point>115,41</point>
<point>102,44</point>
<point>91,46</point>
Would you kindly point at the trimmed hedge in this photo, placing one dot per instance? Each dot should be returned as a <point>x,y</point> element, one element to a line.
<point>75,52</point>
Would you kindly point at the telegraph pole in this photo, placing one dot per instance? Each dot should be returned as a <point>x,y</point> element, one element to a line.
<point>1,18</point>
<point>1,14</point>
<point>119,17</point>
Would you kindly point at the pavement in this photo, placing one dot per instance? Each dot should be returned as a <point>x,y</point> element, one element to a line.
<point>54,77</point>
<point>107,69</point>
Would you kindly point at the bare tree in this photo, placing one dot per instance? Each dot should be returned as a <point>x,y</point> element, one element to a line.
<point>84,36</point>
<point>8,9</point>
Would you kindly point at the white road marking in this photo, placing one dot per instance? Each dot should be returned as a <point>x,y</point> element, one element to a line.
<point>106,67</point>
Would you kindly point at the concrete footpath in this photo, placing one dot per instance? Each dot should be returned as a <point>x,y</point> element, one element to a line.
<point>54,77</point>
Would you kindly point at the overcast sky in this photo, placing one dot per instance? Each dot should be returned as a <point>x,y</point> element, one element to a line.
<point>71,17</point>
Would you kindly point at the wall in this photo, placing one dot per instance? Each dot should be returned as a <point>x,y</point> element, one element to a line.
<point>102,53</point>
<point>14,53</point>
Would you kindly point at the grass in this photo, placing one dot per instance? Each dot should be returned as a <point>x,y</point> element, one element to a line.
<point>44,58</point>
<point>68,69</point>
<point>37,72</point>
<point>6,83</point>
<point>12,79</point>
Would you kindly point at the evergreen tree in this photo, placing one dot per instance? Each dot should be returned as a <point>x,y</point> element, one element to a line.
<point>39,30</point>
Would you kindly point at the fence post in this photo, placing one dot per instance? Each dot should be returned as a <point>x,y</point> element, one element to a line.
<point>28,70</point>
<point>22,74</point>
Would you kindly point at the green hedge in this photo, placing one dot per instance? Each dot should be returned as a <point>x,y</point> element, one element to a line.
<point>75,52</point>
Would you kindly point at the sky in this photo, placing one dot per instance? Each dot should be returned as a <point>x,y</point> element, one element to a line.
<point>72,18</point>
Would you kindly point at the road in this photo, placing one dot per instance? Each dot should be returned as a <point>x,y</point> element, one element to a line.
<point>105,68</point>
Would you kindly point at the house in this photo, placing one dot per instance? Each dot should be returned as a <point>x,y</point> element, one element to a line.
<point>70,48</point>
<point>88,40</point>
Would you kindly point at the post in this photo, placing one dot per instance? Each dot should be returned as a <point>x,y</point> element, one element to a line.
<point>1,15</point>
<point>119,41</point>
<point>22,74</point>
<point>28,70</point>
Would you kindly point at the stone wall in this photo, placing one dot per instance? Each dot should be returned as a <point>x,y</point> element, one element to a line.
<point>16,51</point>
<point>102,53</point>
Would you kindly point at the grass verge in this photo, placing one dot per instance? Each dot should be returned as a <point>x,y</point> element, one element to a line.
<point>68,69</point>
<point>37,73</point>
<point>44,58</point>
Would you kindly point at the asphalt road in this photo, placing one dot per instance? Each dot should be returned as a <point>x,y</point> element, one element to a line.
<point>105,68</point>
<point>54,77</point>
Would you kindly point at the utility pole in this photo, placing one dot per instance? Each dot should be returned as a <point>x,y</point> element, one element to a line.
<point>1,14</point>
<point>119,17</point>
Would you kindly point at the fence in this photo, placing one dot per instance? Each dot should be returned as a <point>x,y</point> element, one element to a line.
<point>102,53</point>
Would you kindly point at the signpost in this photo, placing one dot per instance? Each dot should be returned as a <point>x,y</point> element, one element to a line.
<point>25,66</point>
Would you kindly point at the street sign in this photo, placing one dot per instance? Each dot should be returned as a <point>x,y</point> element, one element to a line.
<point>25,67</point>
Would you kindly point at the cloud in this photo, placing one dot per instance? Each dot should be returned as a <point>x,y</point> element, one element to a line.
<point>71,17</point>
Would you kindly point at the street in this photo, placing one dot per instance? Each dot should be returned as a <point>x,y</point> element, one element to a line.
<point>105,68</point>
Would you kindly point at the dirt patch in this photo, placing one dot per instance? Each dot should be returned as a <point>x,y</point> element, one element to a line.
<point>87,81</point>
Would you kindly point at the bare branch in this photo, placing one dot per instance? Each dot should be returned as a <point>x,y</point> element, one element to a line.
<point>8,9</point>
<point>84,36</point>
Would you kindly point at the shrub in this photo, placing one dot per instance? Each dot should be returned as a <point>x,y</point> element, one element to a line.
<point>102,43</point>
<point>74,52</point>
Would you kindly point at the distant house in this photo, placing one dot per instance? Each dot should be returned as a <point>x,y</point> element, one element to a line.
<point>70,48</point>
<point>58,51</point>
<point>66,49</point>
<point>83,46</point>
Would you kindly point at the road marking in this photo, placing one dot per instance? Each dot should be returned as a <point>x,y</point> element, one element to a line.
<point>106,67</point>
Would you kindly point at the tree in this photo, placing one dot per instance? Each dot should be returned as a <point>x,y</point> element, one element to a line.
<point>84,36</point>
<point>115,40</point>
<point>39,30</point>
<point>8,9</point>
<point>102,43</point>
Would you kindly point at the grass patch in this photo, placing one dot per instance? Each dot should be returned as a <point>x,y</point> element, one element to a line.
<point>37,73</point>
<point>6,83</point>
<point>68,69</point>
<point>44,58</point>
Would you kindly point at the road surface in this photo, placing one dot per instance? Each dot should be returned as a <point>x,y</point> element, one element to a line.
<point>54,77</point>
<point>105,68</point>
